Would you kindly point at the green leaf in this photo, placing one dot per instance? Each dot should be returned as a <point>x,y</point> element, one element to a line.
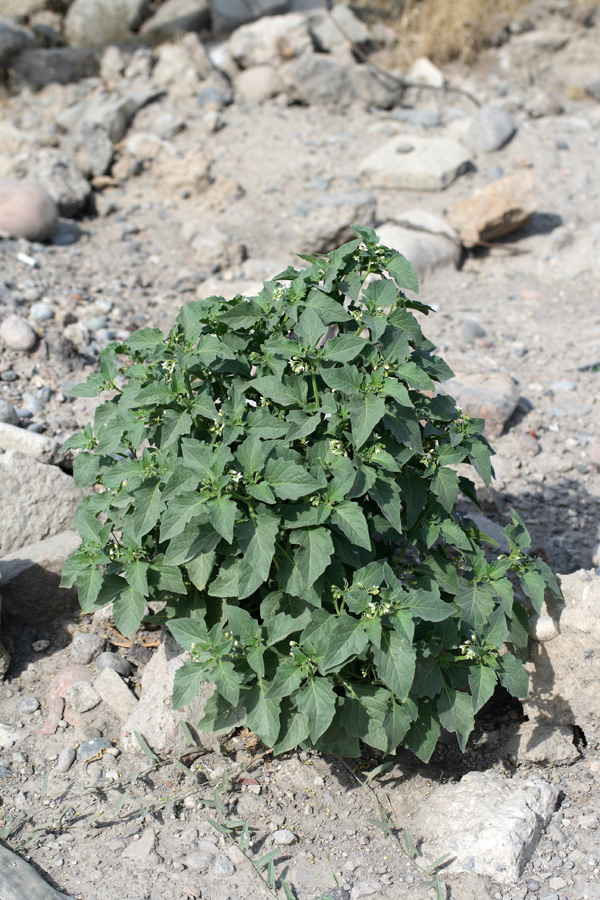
<point>188,632</point>
<point>344,348</point>
<point>423,734</point>
<point>289,480</point>
<point>294,728</point>
<point>315,549</point>
<point>482,683</point>
<point>287,680</point>
<point>535,588</point>
<point>395,662</point>
<point>330,311</point>
<point>187,684</point>
<point>513,675</point>
<point>251,455</point>
<point>287,391</point>
<point>402,272</point>
<point>200,569</point>
<point>222,511</point>
<point>227,681</point>
<point>128,610</point>
<point>343,378</point>
<point>148,507</point>
<point>455,709</point>
<point>445,485</point>
<point>348,638</point>
<point>350,519</point>
<point>365,413</point>
<point>476,603</point>
<point>427,605</point>
<point>198,538</point>
<point>316,699</point>
<point>310,327</point>
<point>256,537</point>
<point>176,422</point>
<point>263,712</point>
<point>136,574</point>
<point>387,496</point>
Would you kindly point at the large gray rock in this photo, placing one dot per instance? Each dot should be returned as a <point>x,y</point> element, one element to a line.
<point>91,148</point>
<point>112,110</point>
<point>415,163</point>
<point>229,14</point>
<point>331,30</point>
<point>491,128</point>
<point>30,581</point>
<point>540,744</point>
<point>564,668</point>
<point>428,244</point>
<point>374,89</point>
<point>154,716</point>
<point>26,210</point>
<point>44,449</point>
<point>496,210</point>
<point>490,824</point>
<point>323,224</point>
<point>174,17</point>
<point>19,879</point>
<point>61,178</point>
<point>94,23</point>
<point>60,65</point>
<point>270,41</point>
<point>42,500</point>
<point>317,78</point>
<point>13,39</point>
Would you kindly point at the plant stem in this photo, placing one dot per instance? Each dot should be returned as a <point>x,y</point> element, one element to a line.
<point>315,390</point>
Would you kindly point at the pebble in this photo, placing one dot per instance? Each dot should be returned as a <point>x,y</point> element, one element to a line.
<point>82,697</point>
<point>142,848</point>
<point>470,330</point>
<point>86,647</point>
<point>337,894</point>
<point>363,889</point>
<point>66,758</point>
<point>28,705</point>
<point>27,210</point>
<point>284,836</point>
<point>41,312</point>
<point>223,866</point>
<point>199,859</point>
<point>8,414</point>
<point>92,747</point>
<point>533,885</point>
<point>40,646</point>
<point>5,772</point>
<point>17,334</point>
<point>108,660</point>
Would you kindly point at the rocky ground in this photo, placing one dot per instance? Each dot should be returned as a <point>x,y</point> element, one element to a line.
<point>179,173</point>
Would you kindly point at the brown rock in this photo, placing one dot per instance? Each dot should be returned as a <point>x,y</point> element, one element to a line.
<point>26,211</point>
<point>492,396</point>
<point>498,209</point>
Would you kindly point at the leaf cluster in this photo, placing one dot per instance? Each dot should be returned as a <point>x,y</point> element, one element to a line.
<point>278,478</point>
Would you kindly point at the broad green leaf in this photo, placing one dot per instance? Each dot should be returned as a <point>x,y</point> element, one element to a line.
<point>445,485</point>
<point>347,639</point>
<point>343,378</point>
<point>148,507</point>
<point>330,311</point>
<point>365,413</point>
<point>288,391</point>
<point>136,574</point>
<point>395,662</point>
<point>310,327</point>
<point>476,603</point>
<point>227,680</point>
<point>294,728</point>
<point>176,422</point>
<point>188,632</point>
<point>513,675</point>
<point>201,458</point>
<point>251,456</point>
<point>256,537</point>
<point>263,712</point>
<point>428,605</point>
<point>198,538</point>
<point>414,496</point>
<point>482,682</point>
<point>242,624</point>
<point>289,480</point>
<point>336,739</point>
<point>316,699</point>
<point>402,272</point>
<point>396,724</point>
<point>226,584</point>
<point>243,314</point>
<point>315,549</point>
<point>222,511</point>
<point>423,734</point>
<point>344,348</point>
<point>535,587</point>
<point>262,492</point>
<point>350,519</point>
<point>387,496</point>
<point>287,680</point>
<point>128,610</point>
<point>188,681</point>
<point>455,709</point>
<point>200,569</point>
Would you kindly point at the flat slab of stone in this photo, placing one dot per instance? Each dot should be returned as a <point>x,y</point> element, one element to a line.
<point>44,449</point>
<point>496,210</point>
<point>490,824</point>
<point>426,250</point>
<point>19,880</point>
<point>415,163</point>
<point>30,581</point>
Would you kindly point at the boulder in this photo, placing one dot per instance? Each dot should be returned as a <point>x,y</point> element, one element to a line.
<point>13,39</point>
<point>564,670</point>
<point>497,209</point>
<point>415,163</point>
<point>19,879</point>
<point>30,582</point>
<point>60,177</point>
<point>323,224</point>
<point>270,41</point>
<point>42,500</point>
<point>44,449</point>
<point>489,395</point>
<point>154,716</point>
<point>27,210</point>
<point>317,78</point>
<point>175,17</point>
<point>94,23</point>
<point>229,14</point>
<point>491,128</point>
<point>58,65</point>
<point>540,744</point>
<point>258,84</point>
<point>331,30</point>
<point>489,824</point>
<point>425,239</point>
<point>110,109</point>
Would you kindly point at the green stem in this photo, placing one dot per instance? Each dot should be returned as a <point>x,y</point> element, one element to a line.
<point>315,389</point>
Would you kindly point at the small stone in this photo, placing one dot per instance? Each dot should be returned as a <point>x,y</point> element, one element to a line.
<point>40,646</point>
<point>28,705</point>
<point>82,697</point>
<point>143,849</point>
<point>5,772</point>
<point>337,894</point>
<point>41,312</point>
<point>8,414</point>
<point>470,331</point>
<point>223,866</point>
<point>17,334</point>
<point>92,747</point>
<point>113,690</point>
<point>86,647</point>
<point>108,660</point>
<point>66,758</point>
<point>199,860</point>
<point>4,661</point>
<point>8,737</point>
<point>189,835</point>
<point>363,889</point>
<point>491,128</point>
<point>26,211</point>
<point>284,836</point>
